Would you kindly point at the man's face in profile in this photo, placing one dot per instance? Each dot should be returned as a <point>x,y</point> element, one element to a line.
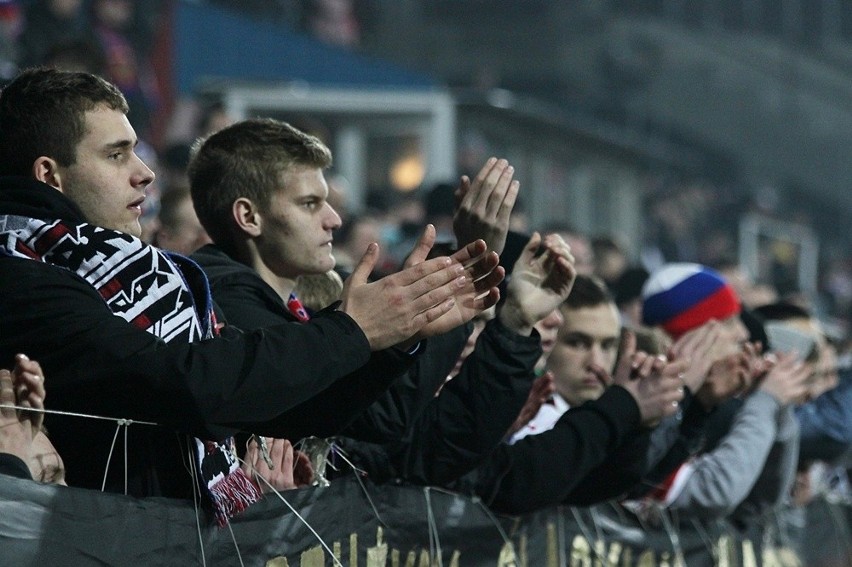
<point>107,180</point>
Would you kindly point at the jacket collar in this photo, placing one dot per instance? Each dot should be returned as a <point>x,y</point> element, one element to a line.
<point>27,197</point>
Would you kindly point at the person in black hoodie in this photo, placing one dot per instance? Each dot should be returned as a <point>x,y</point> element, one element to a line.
<point>128,332</point>
<point>256,182</point>
<point>594,449</point>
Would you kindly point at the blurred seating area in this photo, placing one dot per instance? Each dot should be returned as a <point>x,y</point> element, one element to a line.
<point>678,130</point>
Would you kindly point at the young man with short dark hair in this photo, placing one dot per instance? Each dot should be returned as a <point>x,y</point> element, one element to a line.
<point>258,187</point>
<point>127,331</point>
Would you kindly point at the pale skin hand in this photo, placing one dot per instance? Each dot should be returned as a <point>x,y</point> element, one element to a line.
<point>291,468</point>
<point>787,381</point>
<point>821,384</point>
<point>484,205</point>
<point>24,387</point>
<point>394,308</point>
<point>482,276</point>
<point>825,375</point>
<point>45,462</point>
<point>538,285</point>
<point>653,381</point>
<point>732,375</point>
<point>699,347</point>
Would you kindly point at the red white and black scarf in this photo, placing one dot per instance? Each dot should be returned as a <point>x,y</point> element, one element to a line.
<point>149,289</point>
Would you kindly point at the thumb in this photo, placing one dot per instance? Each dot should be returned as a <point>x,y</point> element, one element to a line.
<point>421,250</point>
<point>362,271</point>
<point>529,251</point>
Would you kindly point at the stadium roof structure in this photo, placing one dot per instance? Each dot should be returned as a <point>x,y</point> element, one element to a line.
<point>212,44</point>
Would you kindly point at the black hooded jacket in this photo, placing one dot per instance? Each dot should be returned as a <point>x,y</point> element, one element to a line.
<point>96,363</point>
<point>408,433</point>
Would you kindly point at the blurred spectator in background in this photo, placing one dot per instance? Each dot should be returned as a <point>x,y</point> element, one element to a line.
<point>671,239</point>
<point>627,290</point>
<point>212,117</point>
<point>402,222</point>
<point>826,421</point>
<point>751,294</point>
<point>610,259</point>
<point>10,27</point>
<point>117,27</point>
<point>581,247</point>
<point>837,284</point>
<point>48,23</point>
<point>353,238</point>
<point>173,161</point>
<point>81,54</point>
<point>318,291</point>
<point>334,22</point>
<point>179,229</point>
<point>440,202</point>
<point>740,463</point>
<point>280,12</point>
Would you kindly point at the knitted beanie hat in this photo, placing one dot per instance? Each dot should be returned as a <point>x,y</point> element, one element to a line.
<point>681,297</point>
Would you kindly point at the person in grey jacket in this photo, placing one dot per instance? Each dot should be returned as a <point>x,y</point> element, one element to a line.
<point>753,464</point>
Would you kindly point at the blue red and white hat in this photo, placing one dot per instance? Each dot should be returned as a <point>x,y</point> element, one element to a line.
<point>681,297</point>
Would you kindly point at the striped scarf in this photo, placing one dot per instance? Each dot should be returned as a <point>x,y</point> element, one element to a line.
<point>149,289</point>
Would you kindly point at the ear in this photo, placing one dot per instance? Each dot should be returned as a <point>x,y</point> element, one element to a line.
<point>247,217</point>
<point>46,170</point>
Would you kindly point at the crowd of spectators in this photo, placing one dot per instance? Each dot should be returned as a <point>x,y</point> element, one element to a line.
<point>729,396</point>
<point>686,219</point>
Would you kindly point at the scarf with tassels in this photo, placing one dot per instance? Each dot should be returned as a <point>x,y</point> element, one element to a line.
<point>153,291</point>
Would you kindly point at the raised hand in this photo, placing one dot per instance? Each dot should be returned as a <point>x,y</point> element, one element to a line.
<point>732,375</point>
<point>22,387</point>
<point>787,381</point>
<point>395,308</point>
<point>653,381</point>
<point>660,391</point>
<point>700,348</point>
<point>482,276</point>
<point>290,468</point>
<point>484,205</point>
<point>539,284</point>
<point>28,380</point>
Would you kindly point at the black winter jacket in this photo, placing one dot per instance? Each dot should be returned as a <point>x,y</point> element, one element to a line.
<point>96,363</point>
<point>408,433</point>
<point>249,303</point>
<point>594,452</point>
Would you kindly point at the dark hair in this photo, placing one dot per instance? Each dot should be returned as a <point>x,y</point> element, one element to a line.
<point>76,54</point>
<point>588,291</point>
<point>604,244</point>
<point>43,113</point>
<point>170,201</point>
<point>628,286</point>
<point>247,159</point>
<point>781,311</point>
